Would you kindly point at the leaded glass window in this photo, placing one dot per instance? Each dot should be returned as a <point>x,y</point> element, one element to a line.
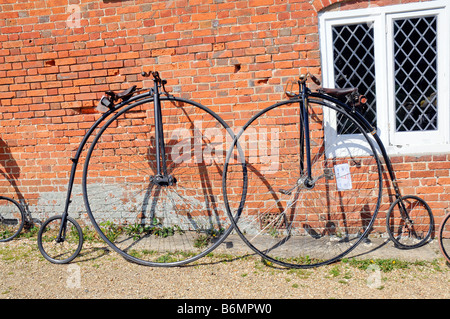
<point>354,65</point>
<point>415,73</point>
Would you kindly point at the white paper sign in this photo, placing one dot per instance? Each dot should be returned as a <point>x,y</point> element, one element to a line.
<point>343,178</point>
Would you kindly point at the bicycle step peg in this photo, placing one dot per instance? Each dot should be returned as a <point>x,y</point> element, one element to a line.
<point>105,105</point>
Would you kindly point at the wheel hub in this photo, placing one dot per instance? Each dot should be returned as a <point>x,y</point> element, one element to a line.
<point>160,180</point>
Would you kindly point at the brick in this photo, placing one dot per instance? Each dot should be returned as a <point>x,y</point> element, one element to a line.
<point>69,90</point>
<point>259,3</point>
<point>438,165</point>
<point>13,29</point>
<point>127,55</point>
<point>35,78</point>
<point>203,16</point>
<point>264,18</point>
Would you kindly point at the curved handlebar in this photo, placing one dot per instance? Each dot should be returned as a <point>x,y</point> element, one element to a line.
<point>302,80</point>
<point>155,75</point>
<point>160,82</point>
<point>304,77</point>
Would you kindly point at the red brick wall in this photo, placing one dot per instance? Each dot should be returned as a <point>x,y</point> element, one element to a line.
<point>57,57</point>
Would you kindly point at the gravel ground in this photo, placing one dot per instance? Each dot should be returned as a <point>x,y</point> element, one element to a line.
<point>99,273</point>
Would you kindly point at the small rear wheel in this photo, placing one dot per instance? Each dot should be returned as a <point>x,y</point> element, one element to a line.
<point>60,250</point>
<point>12,218</point>
<point>409,222</point>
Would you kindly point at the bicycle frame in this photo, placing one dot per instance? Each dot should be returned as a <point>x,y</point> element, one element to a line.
<point>161,178</point>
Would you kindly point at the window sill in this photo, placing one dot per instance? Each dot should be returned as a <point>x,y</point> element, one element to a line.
<point>412,150</point>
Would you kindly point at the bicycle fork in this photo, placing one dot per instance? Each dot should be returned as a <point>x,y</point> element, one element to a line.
<point>161,178</point>
<point>62,230</point>
<point>306,180</point>
<point>403,211</point>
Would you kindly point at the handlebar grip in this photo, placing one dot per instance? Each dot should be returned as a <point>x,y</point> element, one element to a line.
<point>156,76</point>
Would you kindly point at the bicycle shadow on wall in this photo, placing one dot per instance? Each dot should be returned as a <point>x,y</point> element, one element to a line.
<point>193,146</point>
<point>10,170</point>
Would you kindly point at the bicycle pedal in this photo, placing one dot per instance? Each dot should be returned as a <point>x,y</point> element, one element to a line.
<point>289,88</point>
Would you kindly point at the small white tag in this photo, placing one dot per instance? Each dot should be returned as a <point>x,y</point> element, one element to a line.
<point>343,178</point>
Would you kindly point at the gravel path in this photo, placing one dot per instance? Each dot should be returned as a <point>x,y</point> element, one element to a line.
<point>101,273</point>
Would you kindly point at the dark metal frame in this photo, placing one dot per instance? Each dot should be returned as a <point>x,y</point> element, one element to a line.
<point>354,101</point>
<point>108,101</point>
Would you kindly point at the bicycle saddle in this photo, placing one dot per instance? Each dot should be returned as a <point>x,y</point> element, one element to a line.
<point>338,92</point>
<point>124,95</point>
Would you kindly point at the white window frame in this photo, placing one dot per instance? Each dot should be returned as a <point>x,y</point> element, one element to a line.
<point>422,142</point>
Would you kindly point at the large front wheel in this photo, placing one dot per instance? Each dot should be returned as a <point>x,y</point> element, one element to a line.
<point>166,220</point>
<point>302,212</point>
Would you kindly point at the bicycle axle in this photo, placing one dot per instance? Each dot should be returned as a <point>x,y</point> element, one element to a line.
<point>160,180</point>
<point>303,182</point>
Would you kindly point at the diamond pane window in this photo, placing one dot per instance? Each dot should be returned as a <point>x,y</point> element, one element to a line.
<point>398,56</point>
<point>415,73</point>
<point>354,65</point>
